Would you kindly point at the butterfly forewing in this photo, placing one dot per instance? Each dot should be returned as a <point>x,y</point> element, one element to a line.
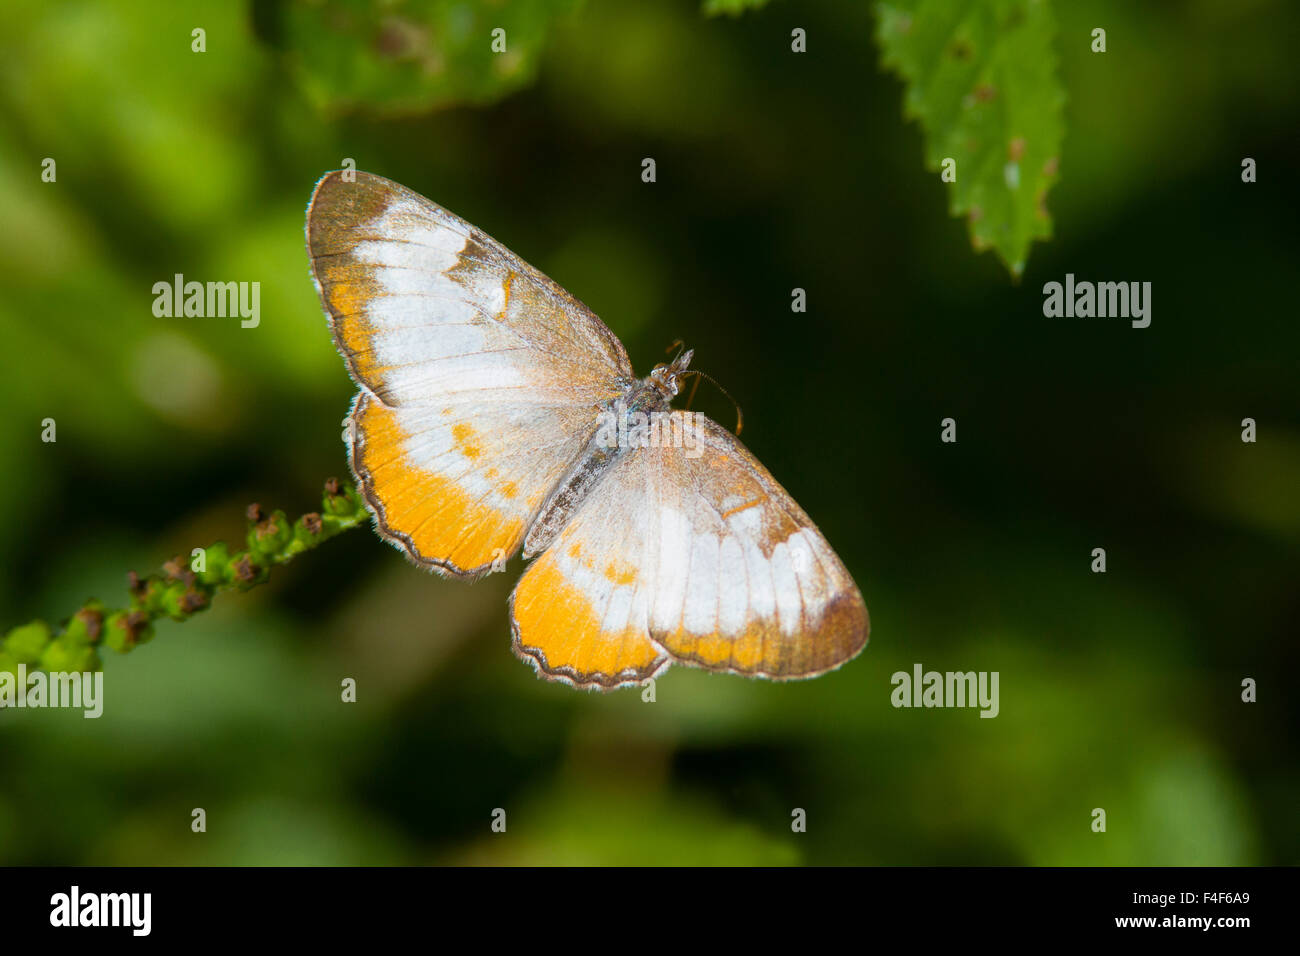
<point>479,376</point>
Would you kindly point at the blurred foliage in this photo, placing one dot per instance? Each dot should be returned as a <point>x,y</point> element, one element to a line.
<point>982,81</point>
<point>1119,690</point>
<point>731,7</point>
<point>410,55</point>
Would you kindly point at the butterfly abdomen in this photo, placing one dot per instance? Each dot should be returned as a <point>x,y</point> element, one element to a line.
<point>618,428</point>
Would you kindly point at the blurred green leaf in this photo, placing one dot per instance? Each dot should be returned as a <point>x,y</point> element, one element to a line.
<point>578,826</point>
<point>732,8</point>
<point>982,80</point>
<point>415,55</point>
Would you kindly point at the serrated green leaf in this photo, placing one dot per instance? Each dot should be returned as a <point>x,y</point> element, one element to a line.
<point>982,81</point>
<point>409,56</point>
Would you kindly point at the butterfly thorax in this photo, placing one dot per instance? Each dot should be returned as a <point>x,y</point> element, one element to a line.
<point>621,425</point>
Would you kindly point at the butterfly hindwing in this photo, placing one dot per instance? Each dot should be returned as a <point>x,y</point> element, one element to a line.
<point>693,555</point>
<point>744,582</point>
<point>579,612</point>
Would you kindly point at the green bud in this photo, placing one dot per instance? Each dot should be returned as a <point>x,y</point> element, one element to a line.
<point>340,500</point>
<point>26,643</point>
<point>87,659</point>
<point>146,593</point>
<point>65,657</point>
<point>270,535</point>
<point>125,629</point>
<point>308,530</point>
<point>86,626</point>
<point>143,629</point>
<point>179,601</point>
<point>246,572</point>
<point>216,571</point>
<point>117,639</point>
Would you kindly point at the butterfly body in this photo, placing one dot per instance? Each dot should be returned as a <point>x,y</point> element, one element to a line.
<point>496,413</point>
<point>630,416</point>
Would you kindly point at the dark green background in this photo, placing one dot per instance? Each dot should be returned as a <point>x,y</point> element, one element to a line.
<point>775,171</point>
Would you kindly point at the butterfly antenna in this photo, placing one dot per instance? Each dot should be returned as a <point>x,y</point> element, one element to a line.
<point>740,416</point>
<point>695,387</point>
<point>679,345</point>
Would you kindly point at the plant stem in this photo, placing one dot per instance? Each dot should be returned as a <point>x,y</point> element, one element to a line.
<point>181,589</point>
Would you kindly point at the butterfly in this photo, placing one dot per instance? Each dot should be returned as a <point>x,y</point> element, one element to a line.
<point>496,413</point>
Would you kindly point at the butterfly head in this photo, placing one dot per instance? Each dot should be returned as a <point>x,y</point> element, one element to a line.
<point>665,377</point>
